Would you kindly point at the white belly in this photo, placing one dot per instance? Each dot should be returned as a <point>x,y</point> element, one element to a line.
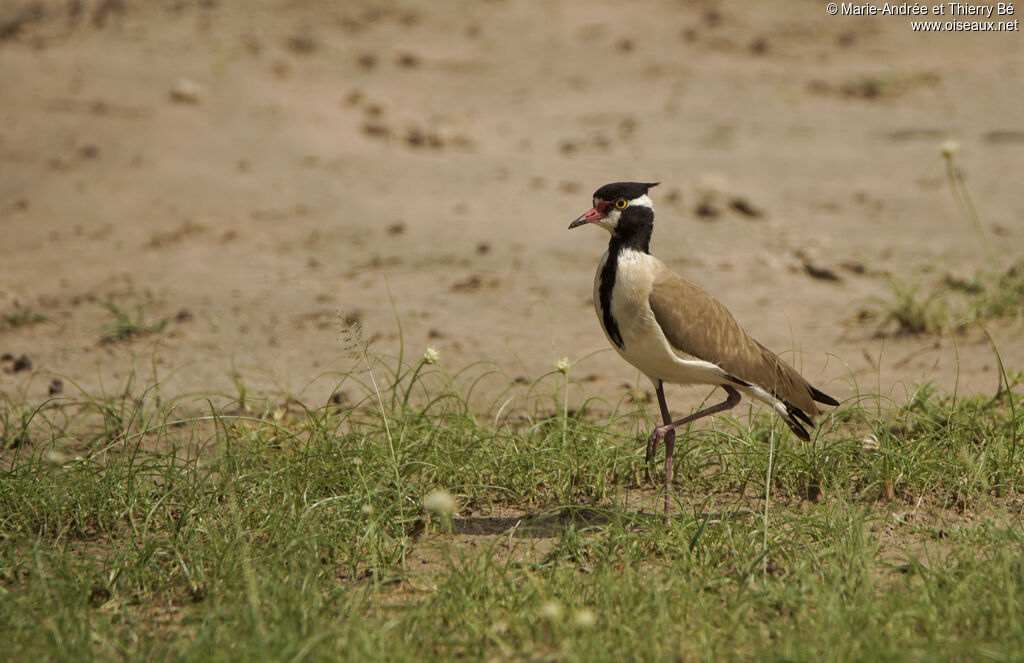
<point>645,346</point>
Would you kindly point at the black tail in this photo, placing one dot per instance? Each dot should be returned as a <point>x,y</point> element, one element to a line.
<point>822,397</point>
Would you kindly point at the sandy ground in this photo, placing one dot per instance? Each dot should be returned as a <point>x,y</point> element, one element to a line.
<point>248,170</point>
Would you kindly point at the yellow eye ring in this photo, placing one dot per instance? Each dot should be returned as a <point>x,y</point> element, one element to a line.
<point>621,203</point>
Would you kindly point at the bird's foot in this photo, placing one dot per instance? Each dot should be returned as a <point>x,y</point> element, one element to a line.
<point>652,447</point>
<point>660,433</point>
<point>667,433</point>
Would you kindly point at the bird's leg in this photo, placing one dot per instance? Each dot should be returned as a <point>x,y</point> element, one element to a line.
<point>670,445</point>
<point>652,441</point>
<point>667,432</point>
<point>669,437</point>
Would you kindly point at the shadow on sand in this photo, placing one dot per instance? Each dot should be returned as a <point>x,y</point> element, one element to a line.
<point>553,523</point>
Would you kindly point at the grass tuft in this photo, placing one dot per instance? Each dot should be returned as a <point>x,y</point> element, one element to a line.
<point>22,318</point>
<point>126,326</point>
<point>954,303</point>
<point>951,304</point>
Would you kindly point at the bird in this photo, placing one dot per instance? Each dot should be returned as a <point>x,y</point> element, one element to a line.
<point>674,331</point>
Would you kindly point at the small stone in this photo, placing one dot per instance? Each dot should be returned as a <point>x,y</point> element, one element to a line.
<point>706,210</point>
<point>89,151</point>
<point>744,206</point>
<point>367,61</point>
<point>303,44</point>
<point>186,91</point>
<point>408,60</point>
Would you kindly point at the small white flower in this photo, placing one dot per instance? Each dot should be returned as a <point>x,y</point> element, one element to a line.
<point>551,610</point>
<point>869,444</point>
<point>639,395</point>
<point>949,148</point>
<point>432,355</point>
<point>56,458</point>
<point>563,365</point>
<point>584,618</point>
<point>440,502</point>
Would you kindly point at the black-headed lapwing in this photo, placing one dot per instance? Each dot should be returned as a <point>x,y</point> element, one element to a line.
<point>673,331</point>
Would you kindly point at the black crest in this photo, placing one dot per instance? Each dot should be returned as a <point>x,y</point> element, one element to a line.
<point>627,190</point>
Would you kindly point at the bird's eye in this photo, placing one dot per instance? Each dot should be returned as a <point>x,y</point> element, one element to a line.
<point>621,203</point>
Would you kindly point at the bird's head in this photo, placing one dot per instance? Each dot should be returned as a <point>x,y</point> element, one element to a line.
<point>619,204</point>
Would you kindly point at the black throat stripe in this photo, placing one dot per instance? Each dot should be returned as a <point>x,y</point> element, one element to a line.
<point>605,287</point>
<point>633,232</point>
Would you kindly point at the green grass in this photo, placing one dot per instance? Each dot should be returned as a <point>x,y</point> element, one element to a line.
<point>125,325</point>
<point>136,526</point>
<point>887,84</point>
<point>21,318</point>
<point>950,303</point>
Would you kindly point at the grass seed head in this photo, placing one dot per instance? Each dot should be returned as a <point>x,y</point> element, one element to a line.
<point>584,618</point>
<point>551,610</point>
<point>440,502</point>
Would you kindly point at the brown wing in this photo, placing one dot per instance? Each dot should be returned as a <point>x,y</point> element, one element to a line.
<point>697,324</point>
